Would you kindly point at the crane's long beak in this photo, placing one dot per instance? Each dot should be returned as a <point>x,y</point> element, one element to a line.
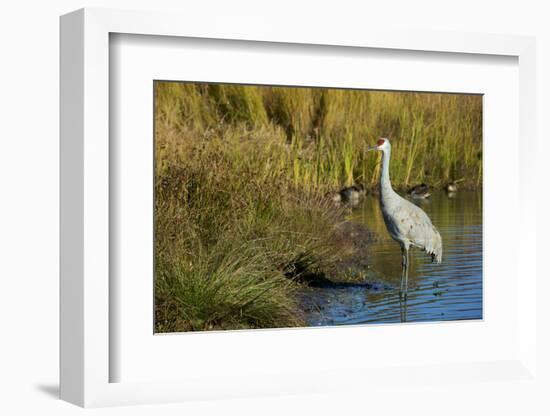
<point>372,148</point>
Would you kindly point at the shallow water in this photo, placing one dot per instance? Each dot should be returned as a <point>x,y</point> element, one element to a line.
<point>451,290</point>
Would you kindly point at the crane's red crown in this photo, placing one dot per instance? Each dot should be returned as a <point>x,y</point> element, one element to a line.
<point>380,142</point>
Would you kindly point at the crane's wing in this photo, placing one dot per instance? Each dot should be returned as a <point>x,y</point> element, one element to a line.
<point>407,222</point>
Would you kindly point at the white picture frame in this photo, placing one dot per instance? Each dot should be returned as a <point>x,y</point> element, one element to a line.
<point>86,356</point>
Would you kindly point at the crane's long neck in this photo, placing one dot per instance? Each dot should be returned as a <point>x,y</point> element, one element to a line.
<point>385,184</point>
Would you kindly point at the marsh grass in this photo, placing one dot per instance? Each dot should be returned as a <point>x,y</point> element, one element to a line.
<point>240,178</point>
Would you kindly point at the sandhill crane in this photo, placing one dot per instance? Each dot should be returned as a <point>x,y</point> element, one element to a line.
<point>406,223</point>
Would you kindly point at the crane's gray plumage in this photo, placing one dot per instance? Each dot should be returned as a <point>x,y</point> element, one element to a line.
<point>407,224</point>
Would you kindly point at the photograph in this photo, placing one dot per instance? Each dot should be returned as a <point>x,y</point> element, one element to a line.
<point>293,206</point>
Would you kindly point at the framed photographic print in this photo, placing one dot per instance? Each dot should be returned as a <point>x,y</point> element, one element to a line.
<point>249,214</point>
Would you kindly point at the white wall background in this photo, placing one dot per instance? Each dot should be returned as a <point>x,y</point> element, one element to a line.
<point>29,114</point>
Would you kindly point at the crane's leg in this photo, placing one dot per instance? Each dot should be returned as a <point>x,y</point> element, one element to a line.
<point>405,310</point>
<point>404,253</point>
<point>403,306</point>
<point>406,271</point>
<point>404,282</point>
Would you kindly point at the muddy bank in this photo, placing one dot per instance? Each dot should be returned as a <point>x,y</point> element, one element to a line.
<point>352,266</point>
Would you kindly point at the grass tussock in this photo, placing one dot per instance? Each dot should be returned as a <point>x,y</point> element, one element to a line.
<point>240,178</point>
